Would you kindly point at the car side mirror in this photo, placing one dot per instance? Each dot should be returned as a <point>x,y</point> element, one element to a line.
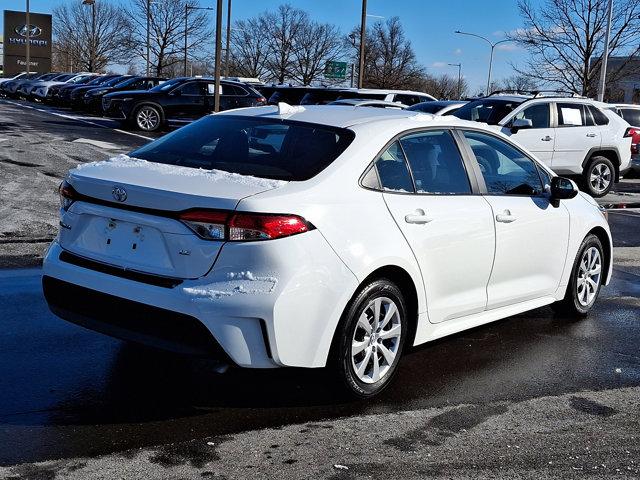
<point>520,123</point>
<point>563,188</point>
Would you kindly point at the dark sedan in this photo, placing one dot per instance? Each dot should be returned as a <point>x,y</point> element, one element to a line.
<point>64,98</point>
<point>176,102</point>
<point>92,99</point>
<point>55,93</point>
<point>76,98</point>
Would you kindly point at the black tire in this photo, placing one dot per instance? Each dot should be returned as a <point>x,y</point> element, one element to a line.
<point>341,364</point>
<point>145,126</point>
<point>599,176</point>
<point>571,303</point>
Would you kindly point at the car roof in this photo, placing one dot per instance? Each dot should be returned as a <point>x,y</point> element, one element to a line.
<point>341,117</point>
<point>362,102</point>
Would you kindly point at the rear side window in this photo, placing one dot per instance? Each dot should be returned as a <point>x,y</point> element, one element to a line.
<point>538,114</point>
<point>487,111</point>
<point>436,163</point>
<point>233,90</point>
<point>598,116</point>
<point>505,169</point>
<point>631,115</point>
<point>392,170</point>
<point>574,115</point>
<point>260,147</point>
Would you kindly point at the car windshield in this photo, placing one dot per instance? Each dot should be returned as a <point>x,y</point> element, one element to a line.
<point>126,82</point>
<point>260,147</point>
<point>163,87</point>
<point>489,111</point>
<point>112,82</point>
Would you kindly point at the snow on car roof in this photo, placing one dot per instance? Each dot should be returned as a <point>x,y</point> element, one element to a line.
<point>334,115</point>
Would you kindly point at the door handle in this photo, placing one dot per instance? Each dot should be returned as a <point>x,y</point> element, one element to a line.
<point>591,135</point>
<point>546,139</point>
<point>506,217</point>
<point>419,217</point>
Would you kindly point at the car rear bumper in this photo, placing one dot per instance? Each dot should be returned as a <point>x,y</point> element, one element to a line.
<point>285,314</point>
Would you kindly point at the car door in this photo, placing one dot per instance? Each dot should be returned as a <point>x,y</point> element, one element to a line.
<point>540,138</point>
<point>186,102</point>
<point>447,225</point>
<point>576,134</point>
<point>532,234</point>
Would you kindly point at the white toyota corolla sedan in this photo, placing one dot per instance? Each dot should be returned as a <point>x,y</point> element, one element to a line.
<point>320,236</point>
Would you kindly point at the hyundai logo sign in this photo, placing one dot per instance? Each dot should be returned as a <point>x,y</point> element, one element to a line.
<point>34,30</point>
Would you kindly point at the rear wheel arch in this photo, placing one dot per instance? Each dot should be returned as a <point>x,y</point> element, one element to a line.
<point>609,153</point>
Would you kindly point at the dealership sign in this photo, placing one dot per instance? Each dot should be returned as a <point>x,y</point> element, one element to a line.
<point>15,42</point>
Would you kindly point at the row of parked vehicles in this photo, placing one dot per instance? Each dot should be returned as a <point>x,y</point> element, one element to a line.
<point>573,135</point>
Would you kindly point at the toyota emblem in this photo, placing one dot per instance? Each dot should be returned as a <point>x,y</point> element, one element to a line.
<point>119,193</point>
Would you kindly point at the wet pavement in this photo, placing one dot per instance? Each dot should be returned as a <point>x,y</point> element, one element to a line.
<point>68,392</point>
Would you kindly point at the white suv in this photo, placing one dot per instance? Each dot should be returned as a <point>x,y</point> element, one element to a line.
<point>572,135</point>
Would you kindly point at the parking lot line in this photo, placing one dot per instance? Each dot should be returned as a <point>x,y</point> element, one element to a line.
<point>77,119</point>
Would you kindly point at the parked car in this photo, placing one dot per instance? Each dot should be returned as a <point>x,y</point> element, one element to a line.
<point>64,94</point>
<point>356,102</point>
<point>24,89</point>
<point>439,107</point>
<point>572,135</point>
<point>321,236</point>
<point>10,88</point>
<point>15,77</point>
<point>41,91</point>
<point>631,113</point>
<point>53,92</point>
<point>76,97</point>
<point>93,98</point>
<point>406,97</point>
<point>176,102</point>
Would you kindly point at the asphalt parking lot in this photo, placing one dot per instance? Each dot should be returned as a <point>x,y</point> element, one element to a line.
<point>532,396</point>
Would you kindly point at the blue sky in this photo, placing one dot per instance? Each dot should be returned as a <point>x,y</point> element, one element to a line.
<point>429,25</point>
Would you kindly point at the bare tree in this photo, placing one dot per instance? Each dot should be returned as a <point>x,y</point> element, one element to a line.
<point>389,60</point>
<point>316,45</point>
<point>282,29</point>
<point>443,87</point>
<point>519,82</point>
<point>84,45</point>
<point>167,19</point>
<point>248,49</point>
<point>565,39</point>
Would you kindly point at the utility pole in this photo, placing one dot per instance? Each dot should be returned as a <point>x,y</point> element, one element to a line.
<point>28,44</point>
<point>493,46</point>
<point>605,54</point>
<point>363,29</point>
<point>216,96</point>
<point>92,42</point>
<point>226,53</point>
<point>459,65</point>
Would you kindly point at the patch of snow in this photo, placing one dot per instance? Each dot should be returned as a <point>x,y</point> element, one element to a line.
<point>340,467</point>
<point>286,109</point>
<point>124,161</point>
<point>238,283</point>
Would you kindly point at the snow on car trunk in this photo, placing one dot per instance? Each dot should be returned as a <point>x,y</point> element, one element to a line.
<point>123,234</point>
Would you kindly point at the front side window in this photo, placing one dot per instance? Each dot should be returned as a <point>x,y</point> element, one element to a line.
<point>392,170</point>
<point>505,169</point>
<point>260,147</point>
<point>436,163</point>
<point>538,114</point>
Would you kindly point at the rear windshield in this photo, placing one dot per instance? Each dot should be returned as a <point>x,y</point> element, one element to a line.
<point>487,111</point>
<point>427,107</point>
<point>631,115</point>
<point>260,147</point>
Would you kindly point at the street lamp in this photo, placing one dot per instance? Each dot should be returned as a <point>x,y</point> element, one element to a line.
<point>92,47</point>
<point>187,7</point>
<point>226,53</point>
<point>605,54</point>
<point>216,94</point>
<point>363,28</point>
<point>459,65</point>
<point>493,46</point>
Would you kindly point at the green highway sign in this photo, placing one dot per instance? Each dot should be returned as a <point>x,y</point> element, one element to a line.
<point>335,70</point>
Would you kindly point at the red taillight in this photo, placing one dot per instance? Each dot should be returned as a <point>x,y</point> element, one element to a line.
<point>217,225</point>
<point>68,195</point>
<point>262,100</point>
<point>634,133</point>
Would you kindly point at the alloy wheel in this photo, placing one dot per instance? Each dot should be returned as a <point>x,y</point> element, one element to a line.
<point>148,118</point>
<point>376,340</point>
<point>589,274</point>
<point>600,177</point>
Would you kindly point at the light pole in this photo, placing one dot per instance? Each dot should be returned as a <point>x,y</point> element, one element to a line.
<point>493,46</point>
<point>459,65</point>
<point>363,29</point>
<point>226,53</point>
<point>187,7</point>
<point>92,45</point>
<point>148,36</point>
<point>216,95</point>
<point>28,44</point>
<point>605,54</point>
